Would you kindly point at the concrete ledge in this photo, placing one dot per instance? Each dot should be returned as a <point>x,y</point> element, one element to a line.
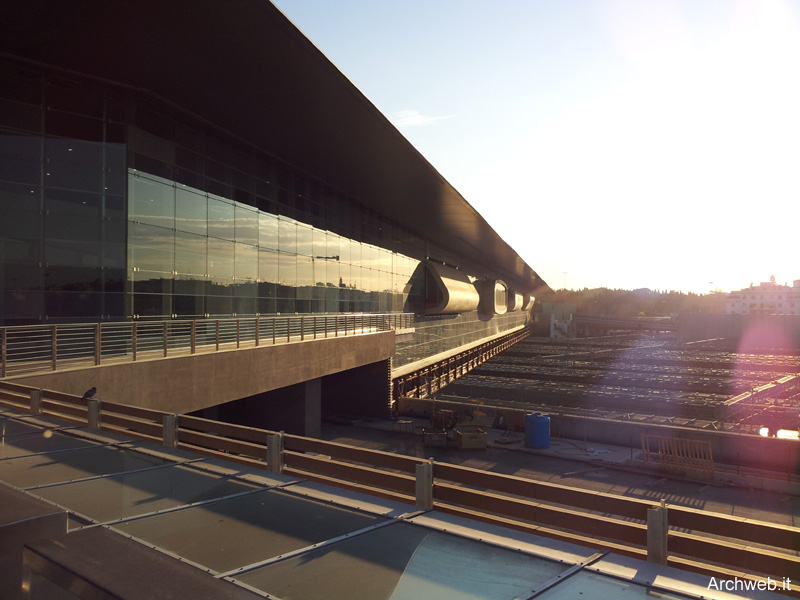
<point>188,383</point>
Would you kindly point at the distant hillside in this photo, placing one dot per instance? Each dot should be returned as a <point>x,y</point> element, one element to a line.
<point>604,302</point>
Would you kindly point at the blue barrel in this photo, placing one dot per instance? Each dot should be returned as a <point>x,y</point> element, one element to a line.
<point>537,430</point>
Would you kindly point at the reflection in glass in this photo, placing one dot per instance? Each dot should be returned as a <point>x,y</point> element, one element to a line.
<point>268,266</point>
<point>246,262</point>
<point>305,237</point>
<point>191,211</point>
<point>268,231</point>
<point>220,259</point>
<point>73,164</point>
<point>221,223</point>
<point>151,248</point>
<point>190,254</point>
<point>246,224</point>
<point>151,201</point>
<point>287,234</point>
<point>287,272</point>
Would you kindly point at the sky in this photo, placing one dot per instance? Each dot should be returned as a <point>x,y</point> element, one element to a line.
<point>612,143</point>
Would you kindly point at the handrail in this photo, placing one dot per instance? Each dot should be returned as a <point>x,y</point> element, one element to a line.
<point>569,513</point>
<point>47,348</point>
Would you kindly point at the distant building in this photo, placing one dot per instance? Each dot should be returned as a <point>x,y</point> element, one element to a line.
<point>767,298</point>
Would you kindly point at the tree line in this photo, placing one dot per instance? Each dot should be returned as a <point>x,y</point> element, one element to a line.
<point>604,302</point>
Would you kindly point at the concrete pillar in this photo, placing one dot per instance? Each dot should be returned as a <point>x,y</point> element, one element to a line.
<point>657,534</point>
<point>312,407</point>
<point>36,401</point>
<point>275,453</point>
<point>93,407</point>
<point>424,484</point>
<point>170,431</point>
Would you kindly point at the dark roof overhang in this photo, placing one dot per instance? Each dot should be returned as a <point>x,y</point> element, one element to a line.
<point>242,65</point>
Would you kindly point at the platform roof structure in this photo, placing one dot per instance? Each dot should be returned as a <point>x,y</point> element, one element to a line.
<point>157,519</point>
<point>233,63</point>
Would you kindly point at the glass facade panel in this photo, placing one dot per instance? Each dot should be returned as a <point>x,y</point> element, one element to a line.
<point>73,215</point>
<point>191,211</point>
<point>246,262</point>
<point>287,234</point>
<point>151,248</point>
<point>246,224</point>
<point>190,254</point>
<point>21,157</point>
<point>220,260</point>
<point>73,164</point>
<point>221,218</point>
<point>268,261</point>
<point>268,231</point>
<point>151,201</point>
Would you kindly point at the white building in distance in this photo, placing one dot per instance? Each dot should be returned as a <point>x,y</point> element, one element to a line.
<point>767,298</point>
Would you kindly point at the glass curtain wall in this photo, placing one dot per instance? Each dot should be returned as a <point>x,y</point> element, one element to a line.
<point>62,199</point>
<point>193,253</point>
<point>115,206</point>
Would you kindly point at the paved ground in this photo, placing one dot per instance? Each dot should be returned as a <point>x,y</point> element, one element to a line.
<point>569,463</point>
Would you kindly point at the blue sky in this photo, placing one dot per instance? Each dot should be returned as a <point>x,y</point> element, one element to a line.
<point>626,143</point>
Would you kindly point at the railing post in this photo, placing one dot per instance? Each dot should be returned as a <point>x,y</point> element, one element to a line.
<point>657,534</point>
<point>217,335</point>
<point>275,453</point>
<point>424,484</point>
<point>238,332</point>
<point>315,327</point>
<point>258,330</point>
<point>169,431</point>
<point>55,347</point>
<point>273,331</point>
<point>165,339</point>
<point>93,407</point>
<point>302,328</point>
<point>97,339</point>
<point>36,401</point>
<point>194,336</point>
<point>335,326</point>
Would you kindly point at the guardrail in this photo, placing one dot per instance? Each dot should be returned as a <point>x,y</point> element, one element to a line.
<point>689,538</point>
<point>46,348</point>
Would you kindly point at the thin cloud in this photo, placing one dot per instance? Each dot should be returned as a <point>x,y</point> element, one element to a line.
<point>414,118</point>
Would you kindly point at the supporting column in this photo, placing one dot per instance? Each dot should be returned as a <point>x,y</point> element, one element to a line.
<point>657,534</point>
<point>424,484</point>
<point>93,407</point>
<point>36,401</point>
<point>275,453</point>
<point>312,407</point>
<point>170,431</point>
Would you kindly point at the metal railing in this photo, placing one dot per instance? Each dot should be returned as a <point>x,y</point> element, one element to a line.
<point>688,537</point>
<point>46,348</point>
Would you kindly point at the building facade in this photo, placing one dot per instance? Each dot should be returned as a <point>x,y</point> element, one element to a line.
<point>159,168</point>
<point>767,298</point>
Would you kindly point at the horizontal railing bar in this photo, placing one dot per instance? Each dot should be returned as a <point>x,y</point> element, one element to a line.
<point>133,411</point>
<point>217,443</point>
<point>242,432</point>
<point>536,512</point>
<point>350,472</point>
<point>366,456</point>
<point>150,429</point>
